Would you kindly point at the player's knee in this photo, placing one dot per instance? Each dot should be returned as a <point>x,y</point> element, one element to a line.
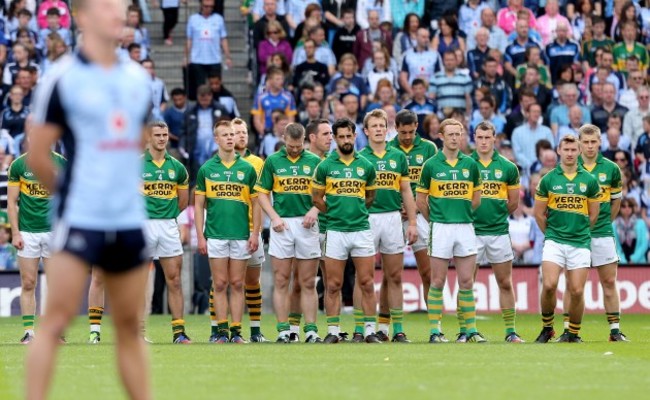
<point>609,283</point>
<point>237,285</point>
<point>282,281</point>
<point>366,283</point>
<point>437,282</point>
<point>220,285</point>
<point>307,284</point>
<point>549,287</point>
<point>333,285</point>
<point>174,282</point>
<point>393,277</point>
<point>505,284</point>
<point>576,292</point>
<point>28,283</point>
<point>296,289</point>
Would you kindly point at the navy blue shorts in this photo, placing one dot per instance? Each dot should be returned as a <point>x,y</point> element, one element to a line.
<point>112,251</point>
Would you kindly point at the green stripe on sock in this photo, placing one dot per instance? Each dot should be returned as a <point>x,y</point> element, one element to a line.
<point>434,309</point>
<point>358,320</point>
<point>310,328</point>
<point>28,321</point>
<point>397,316</point>
<point>509,319</point>
<point>283,326</point>
<point>334,321</point>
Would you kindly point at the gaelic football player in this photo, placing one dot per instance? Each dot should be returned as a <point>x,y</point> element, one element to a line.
<point>319,133</point>
<point>28,209</point>
<point>166,192</point>
<point>96,104</point>
<point>448,193</point>
<point>417,151</point>
<point>603,247</point>
<point>343,187</point>
<point>566,206</point>
<point>225,188</point>
<point>499,198</point>
<point>393,189</point>
<point>287,176</point>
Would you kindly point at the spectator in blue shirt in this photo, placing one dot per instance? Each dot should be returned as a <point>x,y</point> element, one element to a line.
<point>7,250</point>
<point>54,25</point>
<point>525,137</point>
<point>174,116</point>
<point>515,53</point>
<point>486,109</point>
<point>207,43</point>
<point>561,51</point>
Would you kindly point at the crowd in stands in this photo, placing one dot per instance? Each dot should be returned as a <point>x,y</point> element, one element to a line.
<point>536,69</point>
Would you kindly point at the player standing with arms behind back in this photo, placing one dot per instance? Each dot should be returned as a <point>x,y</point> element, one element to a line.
<point>499,198</point>
<point>393,190</point>
<point>97,105</point>
<point>343,187</point>
<point>603,246</point>
<point>566,206</point>
<point>448,193</point>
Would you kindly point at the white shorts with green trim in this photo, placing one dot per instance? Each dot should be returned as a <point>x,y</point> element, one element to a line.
<point>452,240</point>
<point>163,238</point>
<point>566,256</point>
<point>388,237</point>
<point>423,233</point>
<point>340,245</point>
<point>35,245</point>
<point>295,241</point>
<point>493,249</point>
<point>257,258</point>
<point>235,249</point>
<point>603,251</point>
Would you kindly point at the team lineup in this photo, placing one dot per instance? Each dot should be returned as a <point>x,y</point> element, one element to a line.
<point>327,206</point>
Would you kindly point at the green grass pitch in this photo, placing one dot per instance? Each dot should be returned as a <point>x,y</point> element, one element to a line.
<point>496,370</point>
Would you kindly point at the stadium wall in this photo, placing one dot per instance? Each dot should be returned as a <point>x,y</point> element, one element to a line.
<point>633,282</point>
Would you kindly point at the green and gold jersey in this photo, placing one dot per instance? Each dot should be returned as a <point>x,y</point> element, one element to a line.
<point>34,200</point>
<point>589,48</point>
<point>345,186</point>
<point>568,199</point>
<point>391,169</point>
<point>290,181</point>
<point>608,176</point>
<point>420,152</point>
<point>450,186</point>
<point>322,217</point>
<point>161,182</point>
<point>622,53</point>
<point>498,177</point>
<point>257,164</point>
<point>228,189</point>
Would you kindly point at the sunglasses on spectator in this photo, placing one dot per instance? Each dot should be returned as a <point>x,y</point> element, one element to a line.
<point>272,32</point>
<point>626,206</point>
<point>644,97</point>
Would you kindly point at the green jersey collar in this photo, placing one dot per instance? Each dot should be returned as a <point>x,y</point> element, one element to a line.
<point>149,157</point>
<point>218,159</point>
<point>599,159</point>
<point>476,157</point>
<point>336,156</point>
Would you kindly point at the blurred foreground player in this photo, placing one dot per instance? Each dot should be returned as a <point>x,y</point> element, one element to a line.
<point>97,105</point>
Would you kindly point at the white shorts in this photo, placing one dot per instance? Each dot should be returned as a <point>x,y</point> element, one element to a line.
<point>35,245</point>
<point>389,239</point>
<point>603,251</point>
<point>340,245</point>
<point>321,240</point>
<point>493,249</point>
<point>566,256</point>
<point>423,233</point>
<point>452,240</point>
<point>295,241</point>
<point>257,258</point>
<point>235,249</point>
<point>163,238</point>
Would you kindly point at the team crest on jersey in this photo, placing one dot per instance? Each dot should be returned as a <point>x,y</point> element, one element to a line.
<point>570,188</point>
<point>240,175</point>
<point>498,173</point>
<point>393,164</point>
<point>465,173</point>
<point>602,177</point>
<point>171,173</point>
<point>583,187</point>
<point>360,171</point>
<point>419,158</point>
<point>306,169</point>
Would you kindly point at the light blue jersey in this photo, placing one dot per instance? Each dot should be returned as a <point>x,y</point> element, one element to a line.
<point>102,113</point>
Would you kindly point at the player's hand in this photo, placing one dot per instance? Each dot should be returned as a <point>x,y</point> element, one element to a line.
<point>310,219</point>
<point>278,225</point>
<point>253,243</point>
<point>412,234</point>
<point>202,246</point>
<point>17,241</point>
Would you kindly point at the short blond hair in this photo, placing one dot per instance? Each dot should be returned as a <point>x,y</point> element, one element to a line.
<point>221,124</point>
<point>588,129</point>
<point>450,122</point>
<point>239,121</point>
<point>376,113</point>
<point>570,138</point>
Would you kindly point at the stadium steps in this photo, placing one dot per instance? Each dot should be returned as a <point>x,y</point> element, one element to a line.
<point>169,59</point>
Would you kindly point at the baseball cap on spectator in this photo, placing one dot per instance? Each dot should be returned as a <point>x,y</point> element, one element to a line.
<point>344,95</point>
<point>505,144</point>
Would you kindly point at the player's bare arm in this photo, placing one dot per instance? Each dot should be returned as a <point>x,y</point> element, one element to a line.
<point>422,203</point>
<point>277,224</point>
<point>408,204</point>
<point>370,197</point>
<point>616,206</point>
<point>39,157</point>
<point>183,199</point>
<point>594,210</point>
<point>513,200</point>
<point>254,239</point>
<point>476,199</point>
<point>540,213</point>
<point>310,218</point>
<point>199,210</point>
<point>13,192</point>
<point>318,198</point>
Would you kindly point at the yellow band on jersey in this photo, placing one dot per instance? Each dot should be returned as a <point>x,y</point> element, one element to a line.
<point>387,180</point>
<point>494,190</point>
<point>160,189</point>
<point>414,172</point>
<point>292,184</point>
<point>346,187</point>
<point>605,194</point>
<point>227,191</point>
<point>33,189</point>
<point>451,189</point>
<point>568,203</point>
